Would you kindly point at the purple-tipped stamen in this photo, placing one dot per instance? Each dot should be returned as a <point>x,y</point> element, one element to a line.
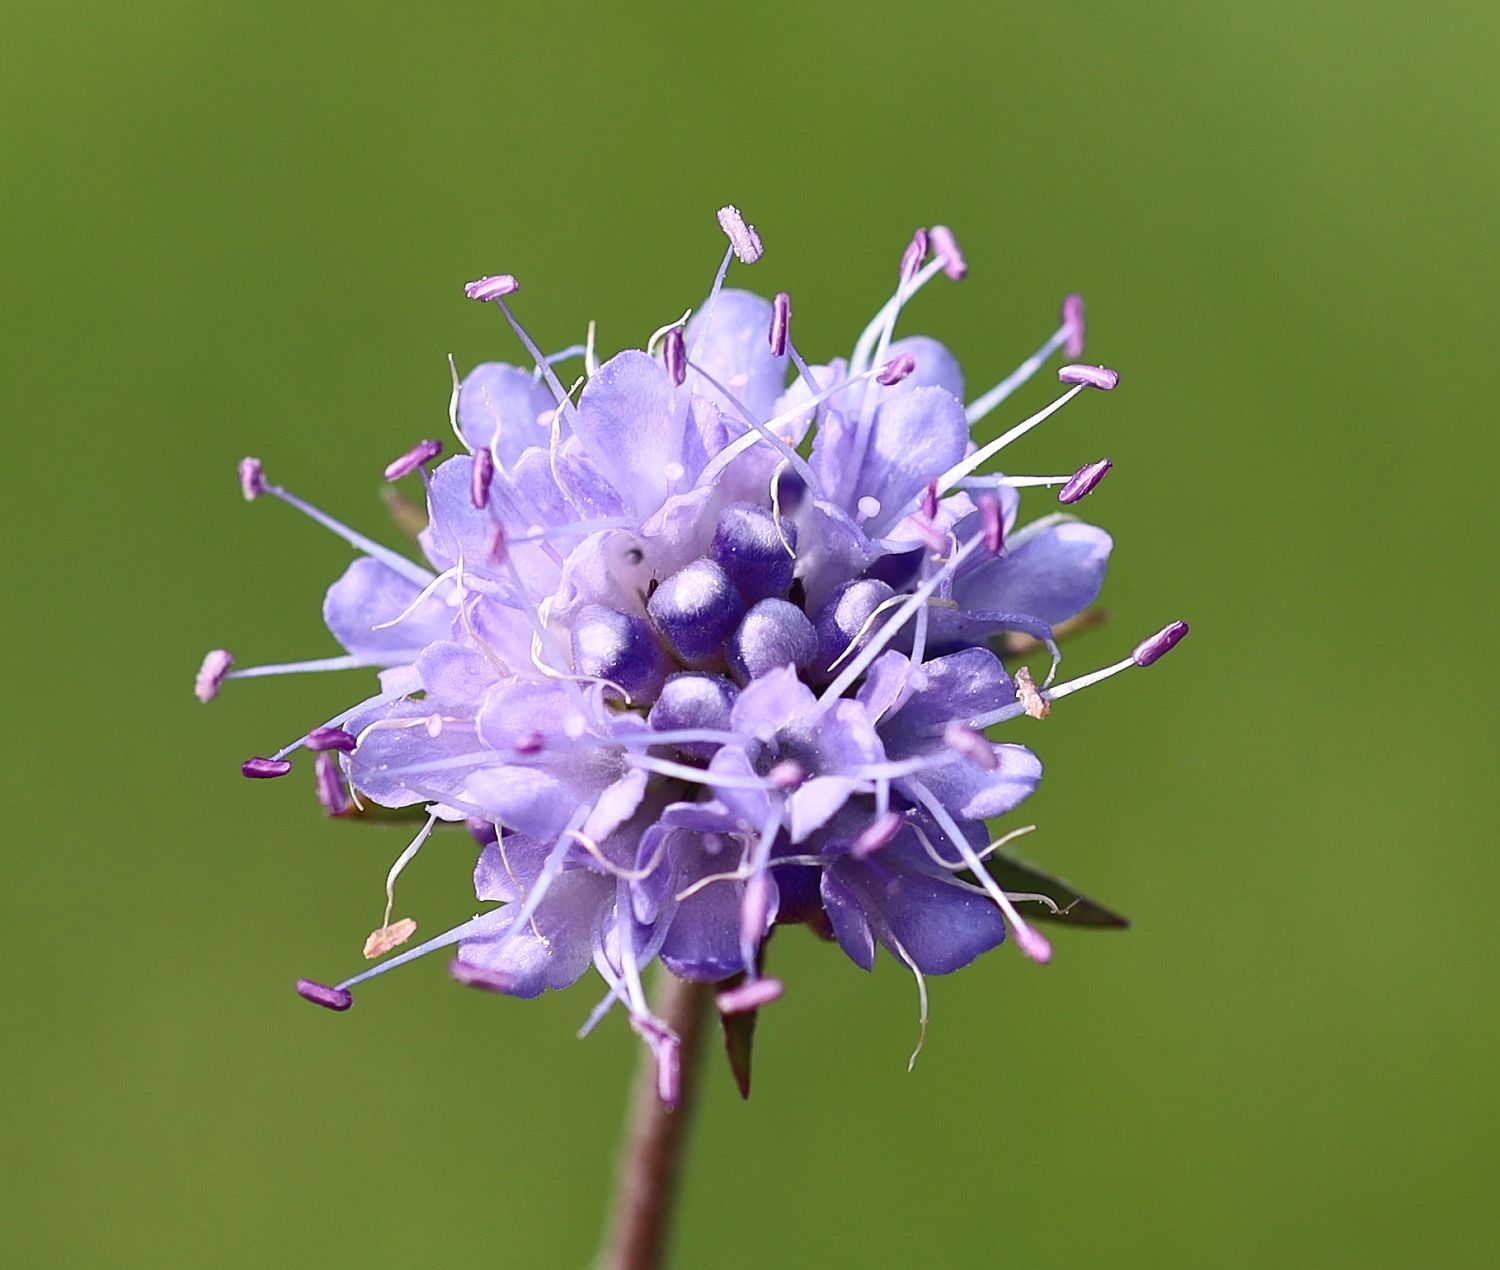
<point>749,996</point>
<point>409,462</point>
<point>1084,481</point>
<point>262,769</point>
<point>742,237</point>
<point>1073,325</point>
<point>480,477</point>
<point>992,525</point>
<point>1100,377</point>
<point>945,247</point>
<point>329,783</point>
<point>252,479</point>
<point>492,287</point>
<point>1159,645</point>
<point>320,739</point>
<point>913,256</point>
<point>498,547</point>
<point>930,499</point>
<point>781,321</point>
<point>897,369</point>
<point>675,355</point>
<point>321,994</point>
<point>211,674</point>
<point>875,835</point>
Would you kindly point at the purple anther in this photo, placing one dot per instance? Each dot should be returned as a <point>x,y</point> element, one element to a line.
<point>992,526</point>
<point>781,321</point>
<point>482,831</point>
<point>498,546</point>
<point>875,835</point>
<point>529,743</point>
<point>750,995</point>
<point>264,769</point>
<point>674,353</point>
<point>1159,645</point>
<point>329,783</point>
<point>252,479</point>
<point>211,674</point>
<point>320,739</point>
<point>1072,318</point>
<point>930,499</point>
<point>787,774</point>
<point>1084,481</point>
<point>742,237</point>
<point>472,976</point>
<point>945,247</point>
<point>480,476</point>
<point>927,532</point>
<point>321,994</point>
<point>964,740</point>
<point>897,369</point>
<point>1100,377</point>
<point>412,459</point>
<point>914,255</point>
<point>492,287</point>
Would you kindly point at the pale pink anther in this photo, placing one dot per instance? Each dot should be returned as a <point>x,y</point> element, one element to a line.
<point>971,744</point>
<point>1100,377</point>
<point>742,237</point>
<point>406,464</point>
<point>787,774</point>
<point>1032,944</point>
<point>914,255</point>
<point>945,247</point>
<point>252,479</point>
<point>211,674</point>
<point>492,287</point>
<point>750,995</point>
<point>875,835</point>
<point>472,976</point>
<point>897,369</point>
<point>1072,318</point>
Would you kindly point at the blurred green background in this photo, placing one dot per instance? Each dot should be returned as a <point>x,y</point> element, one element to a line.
<point>243,228</point>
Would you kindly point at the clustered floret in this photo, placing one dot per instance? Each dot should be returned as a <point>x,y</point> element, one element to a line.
<point>711,650</point>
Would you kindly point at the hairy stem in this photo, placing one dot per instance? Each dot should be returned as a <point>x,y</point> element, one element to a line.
<point>654,1137</point>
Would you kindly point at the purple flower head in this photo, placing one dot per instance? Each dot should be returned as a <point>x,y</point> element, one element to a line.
<point>708,649</point>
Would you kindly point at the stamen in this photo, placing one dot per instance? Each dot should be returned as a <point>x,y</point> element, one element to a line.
<point>1159,645</point>
<point>329,784</point>
<point>981,406</point>
<point>320,994</point>
<point>492,287</point>
<point>387,937</point>
<point>327,738</point>
<point>945,247</point>
<point>877,834</point>
<point>781,320</point>
<point>1100,377</point>
<point>750,995</point>
<point>870,336</point>
<point>897,369</point>
<point>1073,326</point>
<point>787,775</point>
<point>406,464</point>
<point>262,769</point>
<point>966,741</point>
<point>315,665</point>
<point>993,525</point>
<point>252,479</point>
<point>929,503</point>
<point>1084,481</point>
<point>1031,699</point>
<point>742,237</point>
<point>480,476</point>
<point>987,452</point>
<point>396,563</point>
<point>759,431</point>
<point>472,976</point>
<point>211,674</point>
<point>675,356</point>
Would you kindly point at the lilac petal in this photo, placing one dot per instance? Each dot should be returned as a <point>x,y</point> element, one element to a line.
<point>455,675</point>
<point>957,686</point>
<point>846,915</point>
<point>914,435</point>
<point>971,792</point>
<point>941,925</point>
<point>528,799</point>
<point>936,366</point>
<point>496,400</point>
<point>1053,574</point>
<point>703,941</point>
<point>770,703</point>
<point>507,875</point>
<point>815,801</point>
<point>885,684</point>
<point>736,354</point>
<point>630,419</point>
<point>368,595</point>
<point>526,963</point>
<point>616,804</point>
